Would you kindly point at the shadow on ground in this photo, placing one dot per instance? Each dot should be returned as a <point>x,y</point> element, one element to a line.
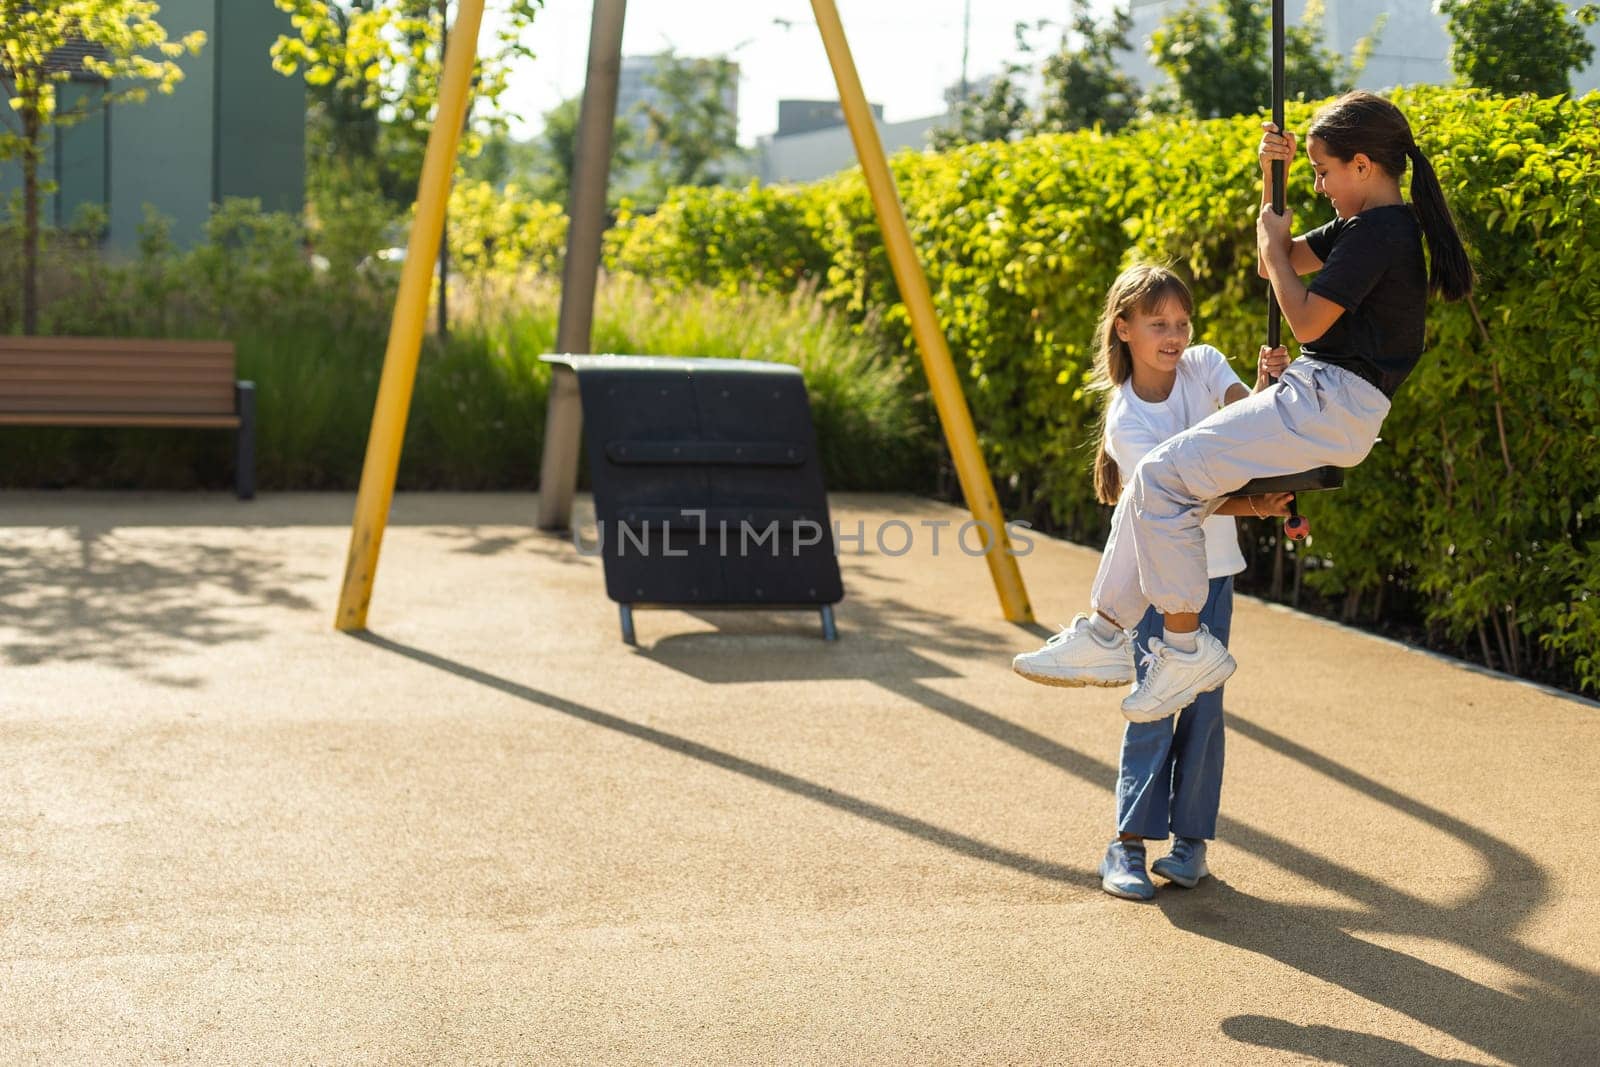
<point>1331,1044</point>
<point>84,595</point>
<point>960,844</point>
<point>81,594</point>
<point>1550,1018</point>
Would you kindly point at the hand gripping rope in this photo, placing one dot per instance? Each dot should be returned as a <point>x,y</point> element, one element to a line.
<point>1297,527</point>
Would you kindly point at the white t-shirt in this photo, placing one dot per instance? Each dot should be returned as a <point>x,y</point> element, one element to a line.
<point>1134,427</point>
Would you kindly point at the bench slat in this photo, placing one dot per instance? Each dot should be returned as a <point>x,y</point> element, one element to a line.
<point>9,391</point>
<point>113,344</point>
<point>216,422</point>
<point>10,386</point>
<point>77,366</point>
<point>14,353</point>
<point>75,395</point>
<point>174,405</point>
<point>112,386</point>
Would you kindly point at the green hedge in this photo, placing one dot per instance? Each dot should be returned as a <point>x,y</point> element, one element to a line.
<point>1482,501</point>
<point>503,231</point>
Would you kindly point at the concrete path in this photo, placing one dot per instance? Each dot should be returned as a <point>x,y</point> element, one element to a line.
<point>490,832</point>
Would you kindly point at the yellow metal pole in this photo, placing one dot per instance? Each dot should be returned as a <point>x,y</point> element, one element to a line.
<point>954,416</point>
<point>405,328</point>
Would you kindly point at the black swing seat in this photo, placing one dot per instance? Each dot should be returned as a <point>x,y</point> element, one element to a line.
<point>1303,482</point>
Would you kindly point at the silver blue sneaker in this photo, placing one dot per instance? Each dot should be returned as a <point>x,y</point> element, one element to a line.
<point>1185,865</point>
<point>1122,872</point>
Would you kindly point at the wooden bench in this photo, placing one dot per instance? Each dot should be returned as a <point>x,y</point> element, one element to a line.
<point>102,381</point>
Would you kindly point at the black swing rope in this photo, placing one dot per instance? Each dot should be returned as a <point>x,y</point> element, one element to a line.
<point>1297,527</point>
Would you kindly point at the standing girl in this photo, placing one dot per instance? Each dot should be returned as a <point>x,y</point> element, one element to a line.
<point>1156,386</point>
<point>1360,326</point>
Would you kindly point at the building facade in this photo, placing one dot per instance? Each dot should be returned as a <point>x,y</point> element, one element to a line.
<point>1413,45</point>
<point>806,116</point>
<point>233,127</point>
<point>816,151</point>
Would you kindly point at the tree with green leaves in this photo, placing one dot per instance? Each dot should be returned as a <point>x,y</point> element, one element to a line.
<point>557,152</point>
<point>44,43</point>
<point>1217,55</point>
<point>372,68</point>
<point>503,159</point>
<point>692,129</point>
<point>997,112</point>
<point>1084,83</point>
<point>1518,46</point>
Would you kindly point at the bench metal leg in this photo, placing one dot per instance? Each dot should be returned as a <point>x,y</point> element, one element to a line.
<point>244,470</point>
<point>627,624</point>
<point>829,631</point>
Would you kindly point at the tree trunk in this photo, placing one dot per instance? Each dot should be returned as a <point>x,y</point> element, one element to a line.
<point>444,279</point>
<point>30,221</point>
<point>1513,642</point>
<point>1500,640</point>
<point>1277,569</point>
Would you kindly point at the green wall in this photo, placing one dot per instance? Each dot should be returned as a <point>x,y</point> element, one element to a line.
<point>80,157</point>
<point>161,149</point>
<point>75,158</point>
<point>261,115</point>
<point>233,127</point>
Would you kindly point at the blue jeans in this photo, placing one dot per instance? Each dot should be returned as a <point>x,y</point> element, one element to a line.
<point>1171,778</point>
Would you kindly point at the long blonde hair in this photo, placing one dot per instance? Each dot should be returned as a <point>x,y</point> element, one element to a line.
<point>1143,288</point>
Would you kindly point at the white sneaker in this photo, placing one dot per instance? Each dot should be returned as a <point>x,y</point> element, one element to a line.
<point>1172,679</point>
<point>1079,656</point>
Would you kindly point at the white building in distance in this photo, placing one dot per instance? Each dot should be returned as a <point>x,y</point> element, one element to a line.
<point>1413,44</point>
<point>1413,47</point>
<point>812,140</point>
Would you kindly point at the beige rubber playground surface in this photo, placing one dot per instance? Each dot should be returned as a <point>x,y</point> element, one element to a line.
<point>489,832</point>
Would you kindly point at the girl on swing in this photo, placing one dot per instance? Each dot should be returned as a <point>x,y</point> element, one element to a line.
<point>1360,324</point>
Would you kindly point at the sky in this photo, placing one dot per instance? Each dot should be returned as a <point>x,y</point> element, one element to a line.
<point>907,51</point>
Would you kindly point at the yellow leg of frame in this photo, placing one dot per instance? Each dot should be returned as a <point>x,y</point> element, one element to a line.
<point>405,328</point>
<point>954,415</point>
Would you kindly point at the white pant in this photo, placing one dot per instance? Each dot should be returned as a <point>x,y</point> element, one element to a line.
<point>1317,415</point>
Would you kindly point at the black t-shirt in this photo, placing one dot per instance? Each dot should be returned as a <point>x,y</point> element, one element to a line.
<point>1372,266</point>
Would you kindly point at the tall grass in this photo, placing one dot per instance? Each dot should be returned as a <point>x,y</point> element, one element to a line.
<point>314,342</point>
<point>873,428</point>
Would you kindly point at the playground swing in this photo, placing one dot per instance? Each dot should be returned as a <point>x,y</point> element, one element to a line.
<point>580,270</point>
<point>582,266</point>
<point>1297,526</point>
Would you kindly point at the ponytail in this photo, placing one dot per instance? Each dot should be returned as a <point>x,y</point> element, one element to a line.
<point>1449,270</point>
<point>1143,288</point>
<point>1364,122</point>
<point>1107,478</point>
